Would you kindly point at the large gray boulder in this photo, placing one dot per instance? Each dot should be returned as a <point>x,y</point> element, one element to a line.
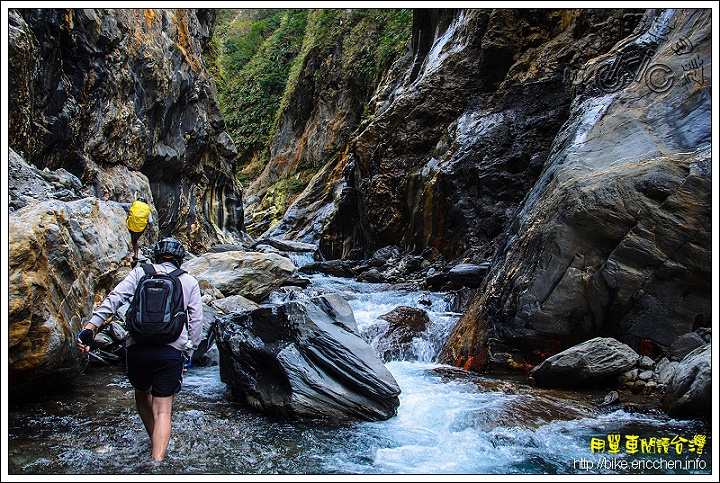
<point>250,274</point>
<point>305,359</point>
<point>689,391</point>
<point>596,359</point>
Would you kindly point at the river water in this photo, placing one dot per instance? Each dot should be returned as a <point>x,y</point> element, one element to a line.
<point>448,423</point>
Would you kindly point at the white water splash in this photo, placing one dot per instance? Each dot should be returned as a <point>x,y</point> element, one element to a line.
<point>301,259</point>
<point>368,302</point>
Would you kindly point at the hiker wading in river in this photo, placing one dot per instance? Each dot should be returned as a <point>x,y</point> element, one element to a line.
<point>155,362</point>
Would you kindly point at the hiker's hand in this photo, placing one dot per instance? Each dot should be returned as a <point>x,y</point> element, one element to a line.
<point>85,340</point>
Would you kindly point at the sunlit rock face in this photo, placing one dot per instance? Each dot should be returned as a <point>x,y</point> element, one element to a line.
<point>63,258</point>
<point>102,92</point>
<point>250,274</point>
<point>614,239</point>
<point>66,251</point>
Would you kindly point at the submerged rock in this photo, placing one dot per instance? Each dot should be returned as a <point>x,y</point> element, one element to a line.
<point>393,340</point>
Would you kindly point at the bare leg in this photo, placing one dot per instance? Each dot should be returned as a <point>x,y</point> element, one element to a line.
<point>144,401</point>
<point>162,417</point>
<point>156,415</point>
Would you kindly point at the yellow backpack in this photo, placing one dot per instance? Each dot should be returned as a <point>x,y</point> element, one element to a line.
<point>137,220</point>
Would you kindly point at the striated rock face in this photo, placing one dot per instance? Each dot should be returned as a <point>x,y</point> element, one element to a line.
<point>250,274</point>
<point>305,359</point>
<point>63,258</point>
<point>462,129</point>
<point>121,98</point>
<point>566,152</point>
<point>569,148</point>
<point>614,239</point>
<point>66,252</point>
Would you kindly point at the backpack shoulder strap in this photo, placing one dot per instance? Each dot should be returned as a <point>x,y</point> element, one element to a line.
<point>177,272</point>
<point>148,268</point>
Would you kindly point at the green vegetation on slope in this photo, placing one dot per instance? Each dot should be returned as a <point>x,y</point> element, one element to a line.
<point>263,51</point>
<point>256,70</point>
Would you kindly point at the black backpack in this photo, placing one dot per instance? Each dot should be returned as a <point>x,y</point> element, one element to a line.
<point>157,312</point>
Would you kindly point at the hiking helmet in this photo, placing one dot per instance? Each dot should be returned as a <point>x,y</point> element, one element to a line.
<point>169,249</point>
<point>142,198</point>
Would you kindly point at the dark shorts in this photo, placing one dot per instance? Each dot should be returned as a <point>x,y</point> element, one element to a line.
<point>135,235</point>
<point>156,367</point>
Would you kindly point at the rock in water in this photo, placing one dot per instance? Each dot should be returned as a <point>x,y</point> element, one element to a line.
<point>611,398</point>
<point>305,359</point>
<point>586,363</point>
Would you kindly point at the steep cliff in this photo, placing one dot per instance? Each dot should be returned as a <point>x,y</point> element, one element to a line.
<point>454,135</point>
<point>570,148</point>
<point>103,101</point>
<point>123,100</point>
<point>343,56</point>
<point>614,239</point>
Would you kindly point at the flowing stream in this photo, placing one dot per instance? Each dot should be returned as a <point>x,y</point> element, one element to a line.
<point>448,422</point>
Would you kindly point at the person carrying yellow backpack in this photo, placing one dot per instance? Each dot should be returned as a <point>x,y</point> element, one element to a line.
<point>138,219</point>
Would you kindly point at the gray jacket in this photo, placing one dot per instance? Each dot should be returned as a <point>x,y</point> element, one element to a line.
<point>124,290</point>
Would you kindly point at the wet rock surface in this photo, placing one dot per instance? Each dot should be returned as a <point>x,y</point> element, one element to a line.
<point>613,232</point>
<point>305,359</point>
